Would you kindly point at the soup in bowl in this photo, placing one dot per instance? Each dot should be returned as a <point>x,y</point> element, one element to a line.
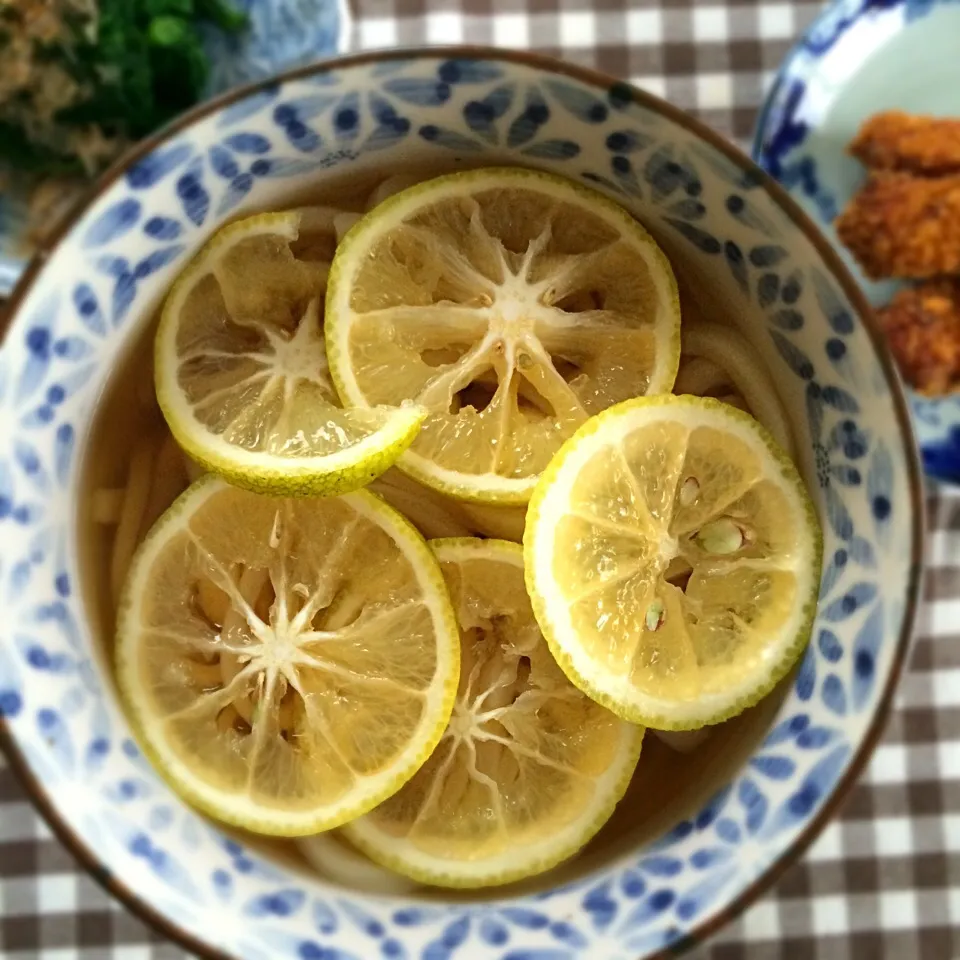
<point>106,422</point>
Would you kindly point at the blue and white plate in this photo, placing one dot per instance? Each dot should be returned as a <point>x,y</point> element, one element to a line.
<point>858,58</point>
<point>283,34</point>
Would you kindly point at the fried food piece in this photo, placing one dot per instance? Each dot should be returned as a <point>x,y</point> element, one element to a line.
<point>899,225</point>
<point>922,325</point>
<point>894,140</point>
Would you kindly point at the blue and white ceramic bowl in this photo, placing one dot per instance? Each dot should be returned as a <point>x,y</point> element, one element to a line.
<point>282,34</point>
<point>742,242</point>
<point>858,58</point>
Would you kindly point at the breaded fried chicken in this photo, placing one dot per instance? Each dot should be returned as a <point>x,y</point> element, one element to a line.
<point>894,140</point>
<point>899,225</point>
<point>922,325</point>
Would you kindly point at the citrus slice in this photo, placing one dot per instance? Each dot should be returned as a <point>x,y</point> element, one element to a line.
<point>673,557</point>
<point>529,768</point>
<point>512,305</point>
<point>289,663</point>
<point>241,368</point>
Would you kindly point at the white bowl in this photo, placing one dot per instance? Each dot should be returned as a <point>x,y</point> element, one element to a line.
<point>765,790</point>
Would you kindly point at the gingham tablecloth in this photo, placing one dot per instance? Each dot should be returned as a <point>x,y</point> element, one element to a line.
<point>883,880</point>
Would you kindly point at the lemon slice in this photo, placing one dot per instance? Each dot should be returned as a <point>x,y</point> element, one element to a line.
<point>529,768</point>
<point>673,557</point>
<point>288,663</point>
<point>512,305</point>
<point>241,367</point>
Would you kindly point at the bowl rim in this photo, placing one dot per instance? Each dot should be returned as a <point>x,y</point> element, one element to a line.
<point>168,928</point>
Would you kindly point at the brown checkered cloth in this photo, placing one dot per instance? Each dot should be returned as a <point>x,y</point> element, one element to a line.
<point>883,881</point>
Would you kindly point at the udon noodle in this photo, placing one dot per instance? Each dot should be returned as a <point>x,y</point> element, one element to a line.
<point>716,361</point>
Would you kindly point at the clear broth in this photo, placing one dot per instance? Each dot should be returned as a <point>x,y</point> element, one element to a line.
<point>667,787</point>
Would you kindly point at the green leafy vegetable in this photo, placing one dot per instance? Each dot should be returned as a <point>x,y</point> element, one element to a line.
<point>145,65</point>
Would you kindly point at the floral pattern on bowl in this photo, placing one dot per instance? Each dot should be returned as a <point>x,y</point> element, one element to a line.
<point>860,57</point>
<point>282,34</point>
<point>78,314</point>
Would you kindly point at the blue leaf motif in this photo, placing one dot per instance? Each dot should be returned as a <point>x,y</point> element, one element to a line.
<point>162,228</point>
<point>248,143</point>
<point>833,307</point>
<point>419,92</point>
<point>833,570</point>
<point>579,101</point>
<point>797,808</point>
<point>282,903</point>
<point>880,490</point>
<point>839,399</point>
<point>623,170</point>
<point>324,918</point>
<point>767,255</point>
<point>663,173</point>
<point>156,260</point>
<point>112,266</point>
<point>193,195</point>
<point>38,340</point>
<point>151,169</point>
<point>707,857</point>
<point>768,289</point>
<point>308,950</point>
<point>114,222</point>
<point>632,884</point>
<point>247,107</point>
<point>627,141</point>
<point>536,113</point>
<point>735,261</point>
<point>703,241</point>
<point>728,831</point>
<point>862,552</point>
<point>525,918</point>
<point>223,162</point>
<point>794,357</point>
<point>866,645</point>
<point>661,866</point>
<point>480,115</point>
<point>746,214</point>
<point>787,729</point>
<point>553,150</point>
<point>239,187</point>
<point>843,607</point>
<point>806,675</point>
<point>492,932</point>
<point>814,404</point>
<point>712,809</point>
<point>787,319</point>
<point>774,766</point>
<point>754,803</point>
<point>346,118</point>
<point>701,895</point>
<point>298,109</point>
<point>468,71</point>
<point>816,738</point>
<point>568,934</point>
<point>830,647</point>
<point>448,138</point>
<point>688,209</point>
<point>366,922</point>
<point>124,291</point>
<point>648,910</point>
<point>63,446</point>
<point>600,906</point>
<point>838,515</point>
